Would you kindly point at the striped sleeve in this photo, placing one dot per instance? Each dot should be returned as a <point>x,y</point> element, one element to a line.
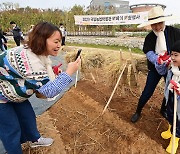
<point>53,88</point>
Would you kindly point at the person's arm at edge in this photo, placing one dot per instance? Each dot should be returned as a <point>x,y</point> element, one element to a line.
<point>53,88</point>
<point>152,57</point>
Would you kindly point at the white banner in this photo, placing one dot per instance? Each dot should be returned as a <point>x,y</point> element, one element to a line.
<point>116,19</point>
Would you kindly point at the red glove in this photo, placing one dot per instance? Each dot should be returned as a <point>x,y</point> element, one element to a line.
<point>56,69</point>
<point>175,86</point>
<point>164,59</point>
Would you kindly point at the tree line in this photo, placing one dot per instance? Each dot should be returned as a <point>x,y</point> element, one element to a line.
<point>25,17</point>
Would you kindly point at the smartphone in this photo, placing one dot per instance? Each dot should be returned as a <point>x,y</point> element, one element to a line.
<point>78,53</point>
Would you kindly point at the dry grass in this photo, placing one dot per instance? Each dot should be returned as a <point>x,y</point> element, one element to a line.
<point>107,63</point>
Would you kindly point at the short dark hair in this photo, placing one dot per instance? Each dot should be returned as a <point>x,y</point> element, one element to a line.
<point>12,22</point>
<point>176,46</point>
<point>38,36</point>
<point>61,24</point>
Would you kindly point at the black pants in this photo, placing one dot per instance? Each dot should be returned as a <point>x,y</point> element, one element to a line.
<point>17,39</point>
<point>153,79</point>
<point>5,46</point>
<point>63,41</point>
<point>2,47</point>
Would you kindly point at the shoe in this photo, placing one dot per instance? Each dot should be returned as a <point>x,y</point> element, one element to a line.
<point>41,142</point>
<point>169,148</point>
<point>166,134</point>
<point>135,117</point>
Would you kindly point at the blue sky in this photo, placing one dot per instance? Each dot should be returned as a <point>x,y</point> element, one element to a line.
<point>173,6</point>
<point>61,4</point>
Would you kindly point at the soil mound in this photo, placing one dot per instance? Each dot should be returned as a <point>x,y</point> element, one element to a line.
<point>78,126</point>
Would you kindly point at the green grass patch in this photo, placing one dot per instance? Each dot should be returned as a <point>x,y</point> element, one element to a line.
<point>108,47</point>
<point>11,44</point>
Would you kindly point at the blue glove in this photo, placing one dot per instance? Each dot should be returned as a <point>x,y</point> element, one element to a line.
<point>161,68</point>
<point>152,57</point>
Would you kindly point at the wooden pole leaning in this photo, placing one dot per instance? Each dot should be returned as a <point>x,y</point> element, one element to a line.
<point>121,63</point>
<point>174,123</point>
<point>115,88</point>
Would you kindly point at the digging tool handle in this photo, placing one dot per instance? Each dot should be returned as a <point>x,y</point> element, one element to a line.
<point>174,122</point>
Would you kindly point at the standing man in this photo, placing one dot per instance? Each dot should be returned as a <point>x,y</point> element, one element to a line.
<point>158,42</point>
<point>3,40</point>
<point>17,33</point>
<point>64,33</point>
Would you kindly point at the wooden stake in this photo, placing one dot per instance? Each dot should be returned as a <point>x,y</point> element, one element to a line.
<point>121,63</point>
<point>93,77</point>
<point>135,71</point>
<point>133,64</point>
<point>114,88</point>
<point>174,123</point>
<point>121,58</point>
